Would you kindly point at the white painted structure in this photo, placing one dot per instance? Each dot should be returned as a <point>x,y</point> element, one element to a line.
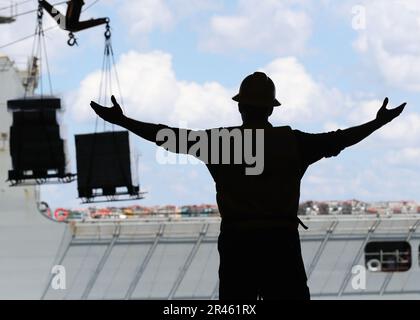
<point>28,242</point>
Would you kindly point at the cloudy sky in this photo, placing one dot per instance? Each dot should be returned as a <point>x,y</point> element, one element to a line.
<point>181,61</point>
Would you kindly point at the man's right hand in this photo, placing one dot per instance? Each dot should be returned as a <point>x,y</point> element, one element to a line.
<point>113,115</point>
<point>385,115</point>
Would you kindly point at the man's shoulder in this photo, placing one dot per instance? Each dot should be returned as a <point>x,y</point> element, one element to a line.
<point>274,129</point>
<point>241,127</point>
<point>285,128</point>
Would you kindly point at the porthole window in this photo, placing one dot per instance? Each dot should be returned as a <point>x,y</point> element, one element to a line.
<point>388,256</point>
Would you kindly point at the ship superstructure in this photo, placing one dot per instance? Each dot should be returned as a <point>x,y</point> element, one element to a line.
<point>28,242</point>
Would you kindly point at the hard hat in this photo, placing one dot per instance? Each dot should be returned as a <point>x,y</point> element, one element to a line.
<point>257,89</point>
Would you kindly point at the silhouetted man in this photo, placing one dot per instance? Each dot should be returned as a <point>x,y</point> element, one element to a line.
<point>259,245</point>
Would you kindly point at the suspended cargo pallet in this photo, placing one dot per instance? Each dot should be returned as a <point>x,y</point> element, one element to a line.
<point>105,168</point>
<point>37,150</point>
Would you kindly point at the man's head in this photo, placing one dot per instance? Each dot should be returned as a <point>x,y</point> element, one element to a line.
<point>256,97</point>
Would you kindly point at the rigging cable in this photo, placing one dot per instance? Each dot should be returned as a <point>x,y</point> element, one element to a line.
<point>105,90</point>
<point>27,37</point>
<point>45,30</point>
<point>39,51</point>
<point>35,10</point>
<point>10,6</point>
<point>91,5</point>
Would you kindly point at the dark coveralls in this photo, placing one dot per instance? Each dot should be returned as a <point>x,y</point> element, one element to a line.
<point>259,245</point>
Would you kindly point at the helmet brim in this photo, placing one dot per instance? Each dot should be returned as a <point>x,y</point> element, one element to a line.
<point>275,103</point>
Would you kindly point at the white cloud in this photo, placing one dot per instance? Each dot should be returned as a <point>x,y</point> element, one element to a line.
<point>303,98</point>
<point>266,26</point>
<point>404,131</point>
<point>370,180</point>
<point>364,110</point>
<point>22,28</point>
<point>331,126</point>
<point>404,157</point>
<point>143,17</point>
<point>152,92</point>
<point>390,40</point>
<point>187,8</point>
<point>146,15</point>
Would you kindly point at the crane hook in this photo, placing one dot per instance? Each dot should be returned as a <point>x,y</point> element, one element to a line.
<point>107,30</point>
<point>72,40</point>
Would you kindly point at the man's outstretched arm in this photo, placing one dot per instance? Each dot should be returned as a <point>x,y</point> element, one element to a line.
<point>356,134</point>
<point>148,131</point>
<point>314,147</point>
<point>115,115</point>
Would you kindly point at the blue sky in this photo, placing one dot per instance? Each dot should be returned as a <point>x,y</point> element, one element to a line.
<point>180,61</point>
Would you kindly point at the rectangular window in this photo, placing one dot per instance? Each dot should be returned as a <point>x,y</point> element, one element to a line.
<point>388,256</point>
